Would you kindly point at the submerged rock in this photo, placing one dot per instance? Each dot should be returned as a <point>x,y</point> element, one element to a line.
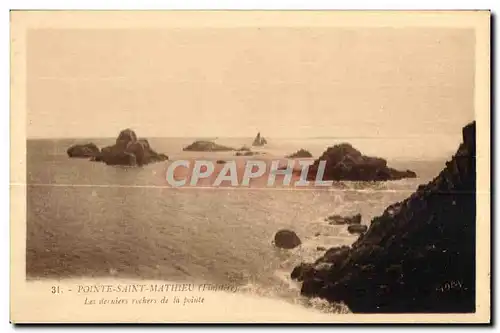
<point>339,220</point>
<point>87,150</point>
<point>302,153</point>
<point>408,256</point>
<point>207,146</point>
<point>344,162</point>
<point>247,153</point>
<point>286,239</point>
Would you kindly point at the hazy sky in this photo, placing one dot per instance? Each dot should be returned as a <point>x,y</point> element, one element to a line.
<point>284,82</point>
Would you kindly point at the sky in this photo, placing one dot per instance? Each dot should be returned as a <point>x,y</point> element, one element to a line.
<point>225,82</point>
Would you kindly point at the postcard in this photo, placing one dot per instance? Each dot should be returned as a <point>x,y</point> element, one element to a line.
<point>250,167</point>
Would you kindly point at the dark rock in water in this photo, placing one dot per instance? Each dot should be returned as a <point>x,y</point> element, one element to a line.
<point>115,156</point>
<point>207,146</point>
<point>244,148</point>
<point>357,228</point>
<point>259,141</point>
<point>339,220</point>
<point>302,153</point>
<point>87,150</point>
<point>320,248</point>
<point>129,151</point>
<point>344,162</point>
<point>317,234</point>
<point>221,162</point>
<point>286,239</point>
<point>251,153</point>
<point>247,153</point>
<point>411,254</point>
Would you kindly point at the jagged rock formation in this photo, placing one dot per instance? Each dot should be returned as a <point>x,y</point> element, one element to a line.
<point>418,256</point>
<point>344,162</point>
<point>207,146</point>
<point>83,151</point>
<point>128,150</point>
<point>286,239</point>
<point>302,153</point>
<point>259,141</point>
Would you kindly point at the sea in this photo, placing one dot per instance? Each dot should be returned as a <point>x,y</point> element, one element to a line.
<point>90,220</point>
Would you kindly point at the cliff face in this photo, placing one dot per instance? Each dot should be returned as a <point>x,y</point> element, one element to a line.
<point>418,256</point>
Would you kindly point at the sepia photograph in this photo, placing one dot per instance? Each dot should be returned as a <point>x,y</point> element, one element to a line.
<point>200,166</point>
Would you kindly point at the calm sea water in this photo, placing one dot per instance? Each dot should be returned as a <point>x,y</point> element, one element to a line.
<point>86,219</point>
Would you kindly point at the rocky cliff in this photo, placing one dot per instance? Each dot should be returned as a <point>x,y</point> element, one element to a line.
<point>418,256</point>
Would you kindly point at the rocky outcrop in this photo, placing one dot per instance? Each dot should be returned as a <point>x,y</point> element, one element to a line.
<point>259,141</point>
<point>286,239</point>
<point>302,153</point>
<point>207,146</point>
<point>87,150</point>
<point>339,220</point>
<point>130,151</point>
<point>418,256</point>
<point>344,162</point>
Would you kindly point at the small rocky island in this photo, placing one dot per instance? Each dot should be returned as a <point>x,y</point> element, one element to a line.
<point>344,162</point>
<point>301,153</point>
<point>87,150</point>
<point>207,146</point>
<point>259,141</point>
<point>418,256</point>
<point>128,150</point>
